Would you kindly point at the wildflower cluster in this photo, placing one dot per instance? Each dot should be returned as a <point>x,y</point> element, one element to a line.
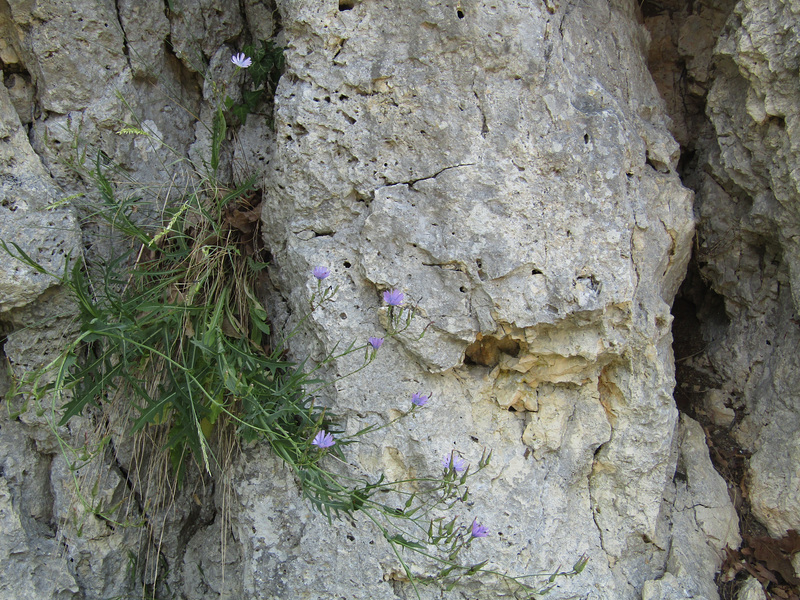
<point>443,539</point>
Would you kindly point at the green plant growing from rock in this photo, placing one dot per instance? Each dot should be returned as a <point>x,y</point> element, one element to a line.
<point>174,326</point>
<point>265,69</point>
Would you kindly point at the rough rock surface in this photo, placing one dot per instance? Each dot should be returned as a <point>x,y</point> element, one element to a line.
<point>754,107</point>
<point>743,167</point>
<point>510,167</point>
<point>703,520</point>
<point>520,188</point>
<point>745,175</point>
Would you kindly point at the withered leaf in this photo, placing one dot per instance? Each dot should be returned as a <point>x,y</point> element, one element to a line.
<point>761,573</point>
<point>790,543</point>
<point>243,220</point>
<point>769,551</point>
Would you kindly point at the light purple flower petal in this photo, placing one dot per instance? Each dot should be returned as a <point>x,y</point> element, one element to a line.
<point>242,61</point>
<point>418,399</point>
<point>452,460</point>
<point>393,297</point>
<point>321,272</point>
<point>375,342</point>
<point>479,530</point>
<point>323,439</point>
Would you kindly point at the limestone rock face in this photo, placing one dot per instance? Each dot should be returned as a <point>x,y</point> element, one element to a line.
<point>49,236</point>
<point>703,520</point>
<point>510,170</point>
<point>751,224</point>
<point>25,191</point>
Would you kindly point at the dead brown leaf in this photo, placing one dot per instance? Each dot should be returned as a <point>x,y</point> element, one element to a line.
<point>769,551</point>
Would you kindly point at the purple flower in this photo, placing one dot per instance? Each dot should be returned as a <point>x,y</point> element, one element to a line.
<point>323,439</point>
<point>321,272</point>
<point>240,60</point>
<point>393,297</point>
<point>418,399</point>
<point>375,342</point>
<point>479,530</point>
<point>453,461</point>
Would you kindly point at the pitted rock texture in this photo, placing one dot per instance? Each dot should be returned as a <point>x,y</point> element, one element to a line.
<point>510,167</point>
<point>48,235</point>
<point>81,525</point>
<point>510,170</point>
<point>742,163</point>
<point>749,224</point>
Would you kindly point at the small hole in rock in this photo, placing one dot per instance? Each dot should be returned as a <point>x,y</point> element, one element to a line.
<point>460,13</point>
<point>347,264</point>
<point>487,350</point>
<point>346,4</point>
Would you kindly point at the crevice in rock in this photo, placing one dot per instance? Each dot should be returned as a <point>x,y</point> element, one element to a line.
<point>735,270</point>
<point>699,320</point>
<point>684,34</point>
<point>410,182</point>
<point>125,47</point>
<point>488,350</point>
<point>5,379</point>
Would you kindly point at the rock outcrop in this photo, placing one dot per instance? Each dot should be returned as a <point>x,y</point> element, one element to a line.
<point>754,177</point>
<point>514,170</point>
<point>510,170</point>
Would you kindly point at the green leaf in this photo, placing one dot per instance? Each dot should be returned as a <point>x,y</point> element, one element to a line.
<point>23,257</point>
<point>218,131</point>
<point>581,564</point>
<point>251,99</point>
<point>401,541</point>
<point>240,111</point>
<point>475,568</point>
<point>152,413</point>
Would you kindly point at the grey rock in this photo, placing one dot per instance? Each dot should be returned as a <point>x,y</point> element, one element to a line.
<point>511,169</point>
<point>28,569</point>
<point>504,187</point>
<point>199,27</point>
<point>146,28</point>
<point>704,522</point>
<point>751,221</point>
<point>751,590</point>
<point>70,53</point>
<point>719,412</point>
<point>21,93</point>
<point>47,235</point>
